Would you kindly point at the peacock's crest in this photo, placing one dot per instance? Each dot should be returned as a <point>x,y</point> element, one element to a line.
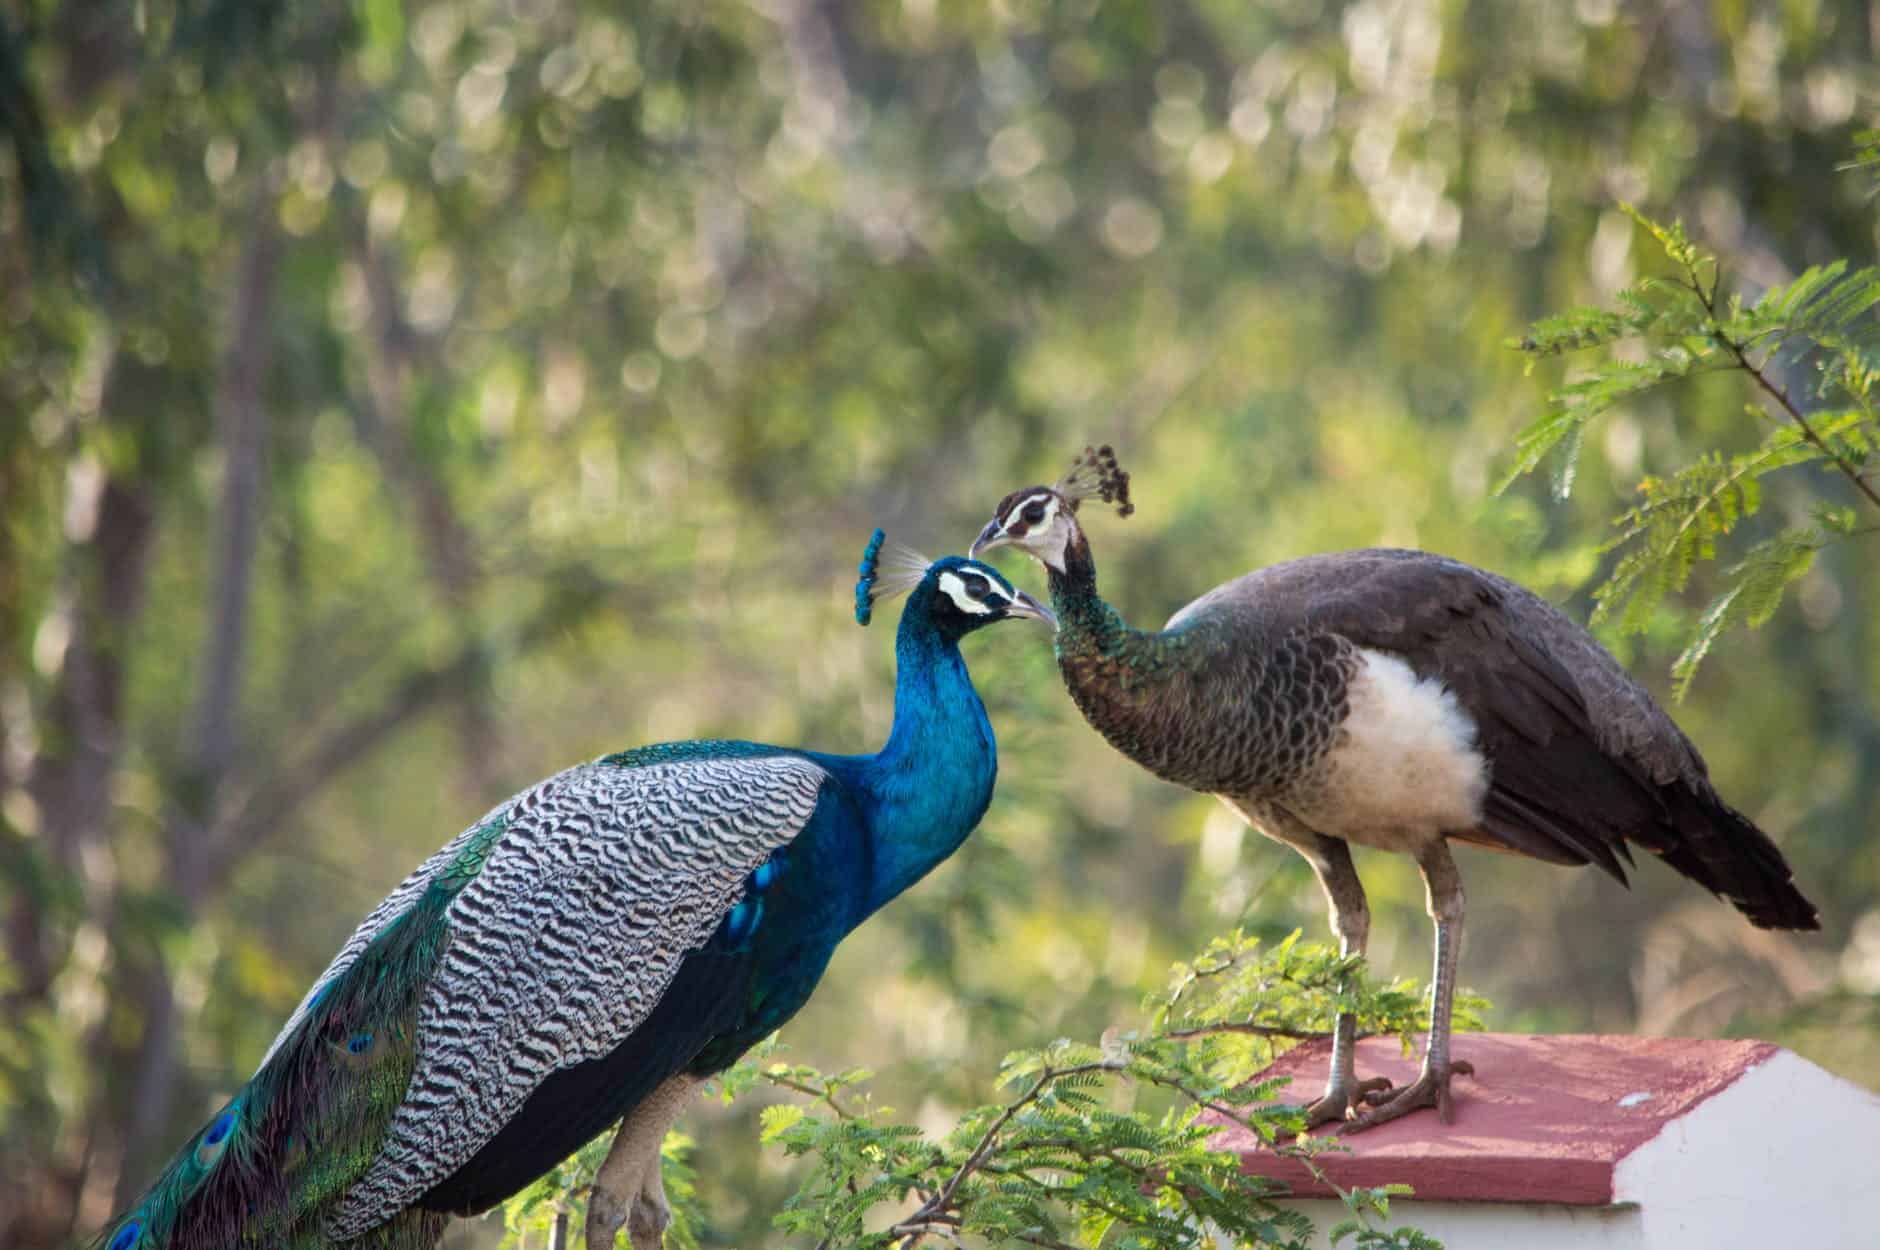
<point>905,567</point>
<point>1095,474</point>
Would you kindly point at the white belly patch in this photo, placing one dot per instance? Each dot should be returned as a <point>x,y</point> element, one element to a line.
<point>1405,768</point>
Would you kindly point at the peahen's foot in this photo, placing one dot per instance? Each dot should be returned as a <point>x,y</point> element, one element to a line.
<point>1335,1106</point>
<point>1430,1089</point>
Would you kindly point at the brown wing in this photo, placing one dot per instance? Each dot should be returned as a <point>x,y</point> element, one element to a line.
<point>1582,759</point>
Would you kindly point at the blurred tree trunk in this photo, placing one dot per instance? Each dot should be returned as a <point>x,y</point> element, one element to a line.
<point>191,818</point>
<point>81,735</point>
<point>382,416</point>
<point>71,782</point>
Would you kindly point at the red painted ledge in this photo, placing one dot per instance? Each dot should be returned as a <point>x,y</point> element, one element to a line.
<point>1543,1120</point>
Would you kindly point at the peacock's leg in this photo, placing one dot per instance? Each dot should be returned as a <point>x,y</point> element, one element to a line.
<point>646,1224</point>
<point>1431,1088</point>
<point>1351,921</point>
<point>628,1188</point>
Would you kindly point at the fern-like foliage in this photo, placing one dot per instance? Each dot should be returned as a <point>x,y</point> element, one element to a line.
<point>1107,1144</point>
<point>1867,156</point>
<point>1669,328</point>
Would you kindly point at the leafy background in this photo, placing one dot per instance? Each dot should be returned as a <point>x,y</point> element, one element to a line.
<point>401,401</point>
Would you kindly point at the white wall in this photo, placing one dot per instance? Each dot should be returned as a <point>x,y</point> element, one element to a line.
<point>1787,1157</point>
<point>1499,1225</point>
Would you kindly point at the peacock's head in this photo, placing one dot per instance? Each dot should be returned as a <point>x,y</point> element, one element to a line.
<point>1041,521</point>
<point>955,594</point>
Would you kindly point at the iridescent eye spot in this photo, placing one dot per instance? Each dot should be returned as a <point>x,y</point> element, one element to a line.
<point>358,1042</point>
<point>215,1139</point>
<point>127,1235</point>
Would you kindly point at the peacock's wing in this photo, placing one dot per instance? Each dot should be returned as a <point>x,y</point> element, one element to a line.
<point>564,941</point>
<point>539,938</point>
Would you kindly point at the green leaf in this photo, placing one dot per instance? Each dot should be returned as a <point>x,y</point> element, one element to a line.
<point>1761,581</point>
<point>776,1119</point>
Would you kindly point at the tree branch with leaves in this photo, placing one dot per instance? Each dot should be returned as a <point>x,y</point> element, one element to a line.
<point>1671,328</point>
<point>1104,1145</point>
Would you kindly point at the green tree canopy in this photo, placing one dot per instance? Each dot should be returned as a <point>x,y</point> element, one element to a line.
<point>401,401</point>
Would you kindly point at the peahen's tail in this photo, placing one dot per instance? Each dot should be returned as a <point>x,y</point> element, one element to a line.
<point>1723,850</point>
<point>264,1170</point>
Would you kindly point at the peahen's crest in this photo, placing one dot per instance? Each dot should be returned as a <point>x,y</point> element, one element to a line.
<point>904,569</point>
<point>1096,474</point>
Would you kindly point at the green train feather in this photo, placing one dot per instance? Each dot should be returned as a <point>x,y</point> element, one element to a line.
<point>266,1168</point>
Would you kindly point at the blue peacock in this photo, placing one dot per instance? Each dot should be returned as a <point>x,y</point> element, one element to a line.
<point>589,951</point>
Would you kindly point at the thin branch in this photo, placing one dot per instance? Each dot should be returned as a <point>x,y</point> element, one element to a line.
<point>820,1095</point>
<point>915,1229</point>
<point>1250,1029</point>
<point>943,1200</point>
<point>1740,352</point>
<point>1781,397</point>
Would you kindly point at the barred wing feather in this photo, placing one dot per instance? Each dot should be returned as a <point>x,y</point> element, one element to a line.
<point>604,878</point>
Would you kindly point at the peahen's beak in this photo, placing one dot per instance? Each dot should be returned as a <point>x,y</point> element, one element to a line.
<point>992,536</point>
<point>1024,605</point>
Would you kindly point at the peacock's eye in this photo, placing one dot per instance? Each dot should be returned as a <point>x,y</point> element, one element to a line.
<point>1034,512</point>
<point>977,586</point>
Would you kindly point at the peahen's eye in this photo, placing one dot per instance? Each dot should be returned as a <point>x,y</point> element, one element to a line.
<point>1034,512</point>
<point>977,586</point>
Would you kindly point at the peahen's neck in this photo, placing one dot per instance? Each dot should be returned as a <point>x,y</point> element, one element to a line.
<point>931,782</point>
<point>1120,678</point>
<point>1087,626</point>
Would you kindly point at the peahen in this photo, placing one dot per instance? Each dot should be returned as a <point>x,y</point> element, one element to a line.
<point>590,949</point>
<point>1397,700</point>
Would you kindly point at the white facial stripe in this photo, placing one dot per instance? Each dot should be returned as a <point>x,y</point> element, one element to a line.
<point>954,587</point>
<point>1017,514</point>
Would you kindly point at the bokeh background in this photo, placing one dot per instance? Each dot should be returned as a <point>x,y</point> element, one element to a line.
<point>399,402</point>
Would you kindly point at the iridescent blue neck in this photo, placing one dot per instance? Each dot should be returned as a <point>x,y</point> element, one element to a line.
<point>930,784</point>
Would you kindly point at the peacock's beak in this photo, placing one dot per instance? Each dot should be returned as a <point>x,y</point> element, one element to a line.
<point>1024,605</point>
<point>992,536</point>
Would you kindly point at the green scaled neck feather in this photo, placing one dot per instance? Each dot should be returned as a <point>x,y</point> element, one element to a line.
<point>1134,685</point>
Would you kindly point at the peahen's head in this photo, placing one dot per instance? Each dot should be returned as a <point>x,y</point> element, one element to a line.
<point>953,594</point>
<point>1041,521</point>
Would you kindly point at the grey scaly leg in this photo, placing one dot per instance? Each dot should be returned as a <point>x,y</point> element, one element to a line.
<point>1351,921</point>
<point>628,1188</point>
<point>1431,1088</point>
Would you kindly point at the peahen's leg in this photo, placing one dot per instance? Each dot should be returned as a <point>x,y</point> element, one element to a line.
<point>1431,1088</point>
<point>628,1188</point>
<point>1351,921</point>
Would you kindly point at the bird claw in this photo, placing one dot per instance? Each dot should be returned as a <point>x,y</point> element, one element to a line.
<point>606,1212</point>
<point>1336,1106</point>
<point>646,1219</point>
<point>1430,1089</point>
<point>646,1225</point>
<point>629,1185</point>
